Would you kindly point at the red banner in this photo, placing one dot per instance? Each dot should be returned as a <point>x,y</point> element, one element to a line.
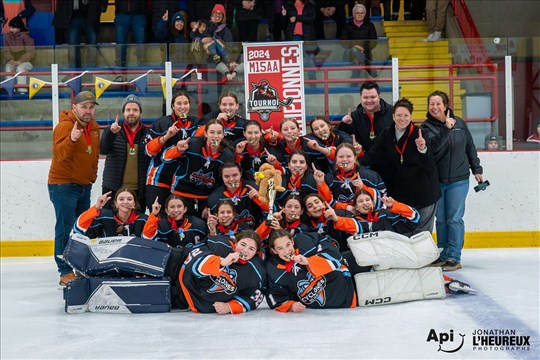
<point>274,83</point>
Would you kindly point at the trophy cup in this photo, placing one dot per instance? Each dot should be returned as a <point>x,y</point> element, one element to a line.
<point>271,199</point>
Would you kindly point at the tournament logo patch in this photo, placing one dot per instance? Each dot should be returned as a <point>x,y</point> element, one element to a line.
<point>263,99</point>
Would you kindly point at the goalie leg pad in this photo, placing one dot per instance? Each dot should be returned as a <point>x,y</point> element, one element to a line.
<point>399,285</point>
<point>386,249</point>
<point>117,295</point>
<point>117,256</point>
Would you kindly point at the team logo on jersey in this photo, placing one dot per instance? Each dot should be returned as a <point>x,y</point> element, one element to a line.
<point>312,290</point>
<point>200,178</point>
<point>264,99</point>
<point>226,282</point>
<point>344,198</point>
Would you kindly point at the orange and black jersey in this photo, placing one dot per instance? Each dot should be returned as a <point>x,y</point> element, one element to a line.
<point>251,160</point>
<point>282,151</point>
<point>325,283</point>
<point>105,222</point>
<point>322,161</point>
<point>234,128</point>
<point>342,188</point>
<point>401,219</point>
<point>197,174</point>
<point>176,233</point>
<point>325,227</point>
<point>249,210</point>
<point>204,281</point>
<point>160,173</point>
<point>294,185</point>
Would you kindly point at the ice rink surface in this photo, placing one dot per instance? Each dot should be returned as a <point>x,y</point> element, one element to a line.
<point>35,326</point>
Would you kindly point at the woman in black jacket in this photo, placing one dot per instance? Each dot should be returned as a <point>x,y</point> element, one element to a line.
<point>402,159</point>
<point>450,142</point>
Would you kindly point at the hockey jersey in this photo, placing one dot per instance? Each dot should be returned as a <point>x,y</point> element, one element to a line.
<point>176,233</point>
<point>96,223</point>
<point>204,281</point>
<point>324,283</point>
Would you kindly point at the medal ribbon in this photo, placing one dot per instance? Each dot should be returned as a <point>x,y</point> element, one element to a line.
<point>402,149</point>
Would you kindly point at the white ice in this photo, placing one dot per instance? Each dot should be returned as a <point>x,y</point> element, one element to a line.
<point>35,326</point>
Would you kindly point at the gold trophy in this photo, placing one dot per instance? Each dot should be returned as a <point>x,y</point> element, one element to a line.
<point>271,199</point>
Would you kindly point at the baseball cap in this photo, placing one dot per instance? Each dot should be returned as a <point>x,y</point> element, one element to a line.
<point>177,16</point>
<point>84,97</point>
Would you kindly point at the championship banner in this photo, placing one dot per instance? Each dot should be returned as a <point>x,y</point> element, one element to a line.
<point>274,83</point>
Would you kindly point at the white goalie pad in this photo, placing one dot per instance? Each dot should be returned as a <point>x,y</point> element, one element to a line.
<point>389,250</point>
<point>399,285</point>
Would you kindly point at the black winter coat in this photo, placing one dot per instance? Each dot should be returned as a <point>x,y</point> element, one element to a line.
<point>307,19</point>
<point>365,32</point>
<point>414,182</point>
<point>453,149</point>
<point>115,147</point>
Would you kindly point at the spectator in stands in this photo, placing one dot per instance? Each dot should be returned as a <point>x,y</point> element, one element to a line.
<point>329,9</point>
<point>300,19</point>
<point>77,17</point>
<point>371,116</point>
<point>201,9</point>
<point>18,51</point>
<point>418,8</point>
<point>272,9</point>
<point>535,137</point>
<point>158,9</point>
<point>174,31</point>
<point>130,15</point>
<point>247,16</point>
<point>124,145</point>
<point>214,38</point>
<point>436,18</point>
<point>396,5</point>
<point>401,157</point>
<point>75,154</point>
<point>451,144</point>
<point>359,28</point>
<point>12,9</point>
<point>493,142</point>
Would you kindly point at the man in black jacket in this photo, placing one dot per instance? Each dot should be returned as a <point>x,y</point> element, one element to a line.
<point>124,143</point>
<point>371,116</point>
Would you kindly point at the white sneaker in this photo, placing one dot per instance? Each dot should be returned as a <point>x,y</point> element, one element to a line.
<point>436,36</point>
<point>429,38</point>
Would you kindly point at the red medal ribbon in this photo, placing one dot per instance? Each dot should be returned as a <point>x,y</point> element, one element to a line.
<point>297,146</point>
<point>131,134</point>
<point>402,149</point>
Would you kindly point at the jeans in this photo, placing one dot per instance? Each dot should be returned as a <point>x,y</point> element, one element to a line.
<point>123,23</point>
<point>449,219</point>
<point>69,201</point>
<point>76,27</point>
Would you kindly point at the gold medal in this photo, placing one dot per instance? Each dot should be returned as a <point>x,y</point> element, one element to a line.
<point>89,149</point>
<point>132,151</point>
<point>371,135</point>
